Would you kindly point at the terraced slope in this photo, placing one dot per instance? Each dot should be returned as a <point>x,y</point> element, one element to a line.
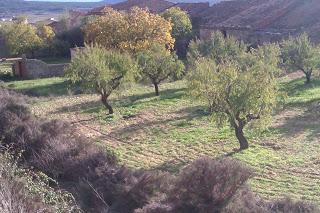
<point>169,131</point>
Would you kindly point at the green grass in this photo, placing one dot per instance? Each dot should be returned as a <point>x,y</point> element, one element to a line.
<point>5,71</point>
<point>302,94</point>
<point>41,87</point>
<point>170,131</point>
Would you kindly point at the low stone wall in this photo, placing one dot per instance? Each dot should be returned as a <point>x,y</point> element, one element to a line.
<point>39,69</point>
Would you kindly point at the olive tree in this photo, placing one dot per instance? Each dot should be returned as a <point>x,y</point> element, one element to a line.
<point>300,54</point>
<point>158,64</point>
<point>218,47</point>
<point>100,70</point>
<point>239,91</point>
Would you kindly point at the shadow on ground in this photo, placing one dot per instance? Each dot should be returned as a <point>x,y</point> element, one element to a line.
<point>306,123</point>
<point>126,101</point>
<point>55,89</point>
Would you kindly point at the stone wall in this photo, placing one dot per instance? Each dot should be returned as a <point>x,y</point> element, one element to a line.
<point>39,69</point>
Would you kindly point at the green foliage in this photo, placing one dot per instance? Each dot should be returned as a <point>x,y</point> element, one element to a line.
<point>29,191</point>
<point>133,31</point>
<point>46,33</point>
<point>100,70</point>
<point>217,48</point>
<point>40,41</point>
<point>158,64</point>
<point>182,26</point>
<point>239,91</point>
<point>300,54</point>
<point>21,38</point>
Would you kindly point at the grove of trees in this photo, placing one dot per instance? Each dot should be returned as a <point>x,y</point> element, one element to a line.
<point>21,38</point>
<point>38,41</point>
<point>239,84</point>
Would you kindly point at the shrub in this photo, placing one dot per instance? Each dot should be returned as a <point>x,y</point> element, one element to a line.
<point>208,185</point>
<point>156,208</point>
<point>49,146</point>
<point>13,110</point>
<point>125,189</point>
<point>246,201</point>
<point>22,190</point>
<point>288,205</point>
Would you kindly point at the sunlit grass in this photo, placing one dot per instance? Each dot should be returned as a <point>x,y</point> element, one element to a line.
<point>170,131</point>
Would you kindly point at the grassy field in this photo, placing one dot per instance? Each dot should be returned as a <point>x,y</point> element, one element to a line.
<point>169,131</point>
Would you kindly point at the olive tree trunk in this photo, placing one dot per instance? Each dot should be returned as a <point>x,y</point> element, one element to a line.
<point>241,138</point>
<point>308,77</point>
<point>105,102</point>
<point>156,88</point>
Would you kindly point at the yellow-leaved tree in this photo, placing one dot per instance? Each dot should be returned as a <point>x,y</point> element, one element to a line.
<point>132,31</point>
<point>46,33</point>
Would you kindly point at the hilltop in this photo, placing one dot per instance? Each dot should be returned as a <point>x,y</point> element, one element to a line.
<point>279,16</point>
<point>9,8</point>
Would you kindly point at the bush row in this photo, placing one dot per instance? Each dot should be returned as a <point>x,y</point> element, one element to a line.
<point>100,184</point>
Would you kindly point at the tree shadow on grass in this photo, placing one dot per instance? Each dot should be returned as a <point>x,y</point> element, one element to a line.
<point>304,98</point>
<point>299,89</point>
<point>55,89</point>
<point>168,94</point>
<point>306,123</point>
<point>180,118</point>
<point>126,101</point>
<point>297,86</point>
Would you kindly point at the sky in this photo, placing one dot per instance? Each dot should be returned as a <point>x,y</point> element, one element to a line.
<point>69,0</point>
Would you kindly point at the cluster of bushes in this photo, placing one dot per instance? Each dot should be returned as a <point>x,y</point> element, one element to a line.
<point>38,41</point>
<point>100,184</point>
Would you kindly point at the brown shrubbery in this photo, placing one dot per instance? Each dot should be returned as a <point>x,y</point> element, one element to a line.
<point>100,184</point>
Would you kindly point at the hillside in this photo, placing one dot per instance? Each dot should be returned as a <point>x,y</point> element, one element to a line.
<point>280,15</point>
<point>19,7</point>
